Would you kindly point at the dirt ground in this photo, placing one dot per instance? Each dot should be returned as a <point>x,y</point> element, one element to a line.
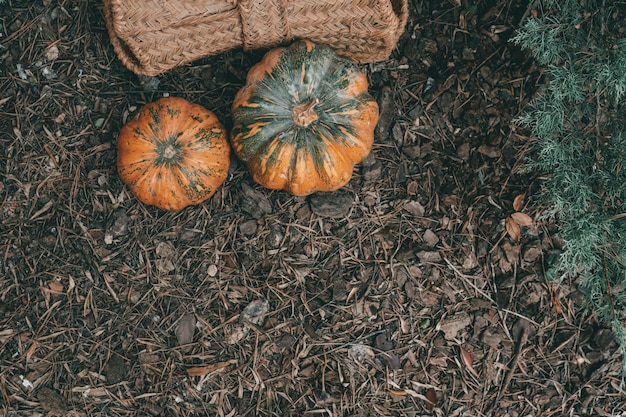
<point>402,294</point>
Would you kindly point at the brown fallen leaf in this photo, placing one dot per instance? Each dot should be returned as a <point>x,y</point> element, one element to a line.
<point>203,370</point>
<point>431,397</point>
<point>522,219</point>
<point>556,302</point>
<point>518,202</point>
<point>468,361</point>
<point>55,286</point>
<point>513,229</point>
<point>397,391</point>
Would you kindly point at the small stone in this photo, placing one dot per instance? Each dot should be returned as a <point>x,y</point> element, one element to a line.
<point>164,266</point>
<point>373,171</point>
<point>149,84</point>
<point>165,250</point>
<point>397,132</point>
<point>468,54</point>
<point>463,151</point>
<point>452,326</point>
<point>386,112</point>
<point>416,113</point>
<point>336,204</point>
<point>52,401</point>
<point>52,53</point>
<point>491,337</point>
<point>409,289</point>
<point>254,202</point>
<point>428,45</point>
<point>369,160</point>
<point>255,312</point>
<point>428,256</point>
<point>415,208</point>
<point>285,341</point>
<point>470,262</point>
<point>275,236</point>
<point>413,151</point>
<point>490,151</point>
<point>532,253</point>
<point>303,212</point>
<point>185,329</point>
<point>118,226</point>
<point>430,238</point>
<point>115,370</point>
<point>248,228</point>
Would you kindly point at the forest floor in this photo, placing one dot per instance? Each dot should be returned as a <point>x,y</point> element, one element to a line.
<point>402,294</point>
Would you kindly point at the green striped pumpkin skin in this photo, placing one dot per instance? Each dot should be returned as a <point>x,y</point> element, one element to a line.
<point>173,154</point>
<point>303,119</point>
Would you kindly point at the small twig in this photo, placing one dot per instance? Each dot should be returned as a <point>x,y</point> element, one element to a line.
<point>512,368</point>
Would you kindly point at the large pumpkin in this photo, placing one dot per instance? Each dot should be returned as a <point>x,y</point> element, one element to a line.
<point>173,153</point>
<point>303,119</point>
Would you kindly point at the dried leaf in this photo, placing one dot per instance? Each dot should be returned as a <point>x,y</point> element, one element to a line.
<point>203,370</point>
<point>30,351</point>
<point>397,392</point>
<point>522,219</point>
<point>466,358</point>
<point>6,335</point>
<point>52,52</point>
<point>512,228</point>
<point>518,202</point>
<point>236,334</point>
<point>468,362</point>
<point>431,396</point>
<point>55,286</point>
<point>556,302</point>
<point>147,357</point>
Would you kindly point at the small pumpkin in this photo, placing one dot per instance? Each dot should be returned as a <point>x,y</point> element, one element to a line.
<point>303,119</point>
<point>173,154</point>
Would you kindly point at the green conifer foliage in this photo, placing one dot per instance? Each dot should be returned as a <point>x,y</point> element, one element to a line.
<point>579,123</point>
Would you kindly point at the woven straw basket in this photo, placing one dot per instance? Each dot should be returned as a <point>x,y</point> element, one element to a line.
<point>153,36</point>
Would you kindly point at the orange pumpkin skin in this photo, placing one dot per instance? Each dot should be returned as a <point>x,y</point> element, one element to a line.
<point>173,154</point>
<point>303,119</point>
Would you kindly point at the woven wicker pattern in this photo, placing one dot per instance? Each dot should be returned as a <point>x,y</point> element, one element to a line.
<point>153,36</point>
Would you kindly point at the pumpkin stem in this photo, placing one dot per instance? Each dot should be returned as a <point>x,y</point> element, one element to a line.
<point>304,114</point>
<point>169,152</point>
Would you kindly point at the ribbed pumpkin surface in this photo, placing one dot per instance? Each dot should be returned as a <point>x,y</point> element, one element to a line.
<point>303,119</point>
<point>173,154</point>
